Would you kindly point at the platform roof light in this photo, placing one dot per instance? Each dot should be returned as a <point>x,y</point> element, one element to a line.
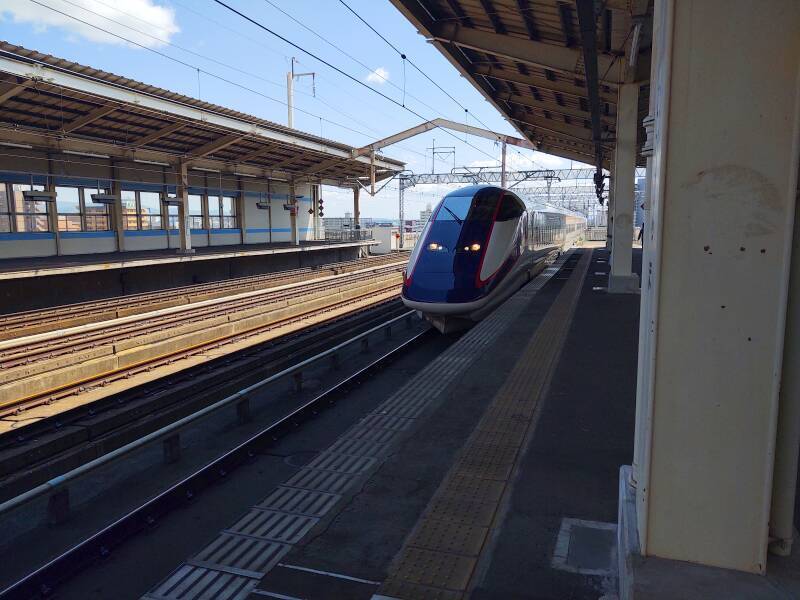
<point>150,162</point>
<point>172,201</point>
<point>13,145</point>
<point>89,154</point>
<point>105,198</point>
<point>39,196</point>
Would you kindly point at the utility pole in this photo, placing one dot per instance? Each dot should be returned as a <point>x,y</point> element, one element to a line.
<point>290,77</point>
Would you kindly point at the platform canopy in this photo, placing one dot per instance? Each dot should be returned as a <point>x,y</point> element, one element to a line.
<point>57,105</point>
<point>552,68</point>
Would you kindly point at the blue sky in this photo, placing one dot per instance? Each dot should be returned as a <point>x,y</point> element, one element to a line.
<point>222,45</point>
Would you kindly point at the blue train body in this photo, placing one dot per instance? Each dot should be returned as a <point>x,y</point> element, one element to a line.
<point>477,248</point>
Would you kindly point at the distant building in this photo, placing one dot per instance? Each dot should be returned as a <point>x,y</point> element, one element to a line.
<point>424,215</point>
<point>638,194</point>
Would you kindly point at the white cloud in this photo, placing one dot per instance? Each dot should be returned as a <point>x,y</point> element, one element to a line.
<point>144,15</point>
<point>379,75</point>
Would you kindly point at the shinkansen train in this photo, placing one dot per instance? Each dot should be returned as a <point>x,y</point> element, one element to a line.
<point>479,246</point>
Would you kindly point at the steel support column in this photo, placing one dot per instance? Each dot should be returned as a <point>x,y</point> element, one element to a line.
<point>621,279</point>
<point>184,220</point>
<point>356,208</point>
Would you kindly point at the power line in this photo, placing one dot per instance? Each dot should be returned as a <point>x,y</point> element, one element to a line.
<point>189,65</point>
<point>345,53</point>
<point>248,73</point>
<point>423,73</point>
<point>335,68</point>
<point>259,43</point>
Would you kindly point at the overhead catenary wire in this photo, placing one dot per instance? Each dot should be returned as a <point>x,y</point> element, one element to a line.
<point>193,67</point>
<point>405,58</point>
<point>335,68</point>
<point>199,70</point>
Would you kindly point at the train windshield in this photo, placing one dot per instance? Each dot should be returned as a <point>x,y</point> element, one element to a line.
<point>475,207</point>
<point>453,239</point>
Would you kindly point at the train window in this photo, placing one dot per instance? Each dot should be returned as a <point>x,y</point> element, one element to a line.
<point>485,205</point>
<point>511,208</point>
<point>454,208</point>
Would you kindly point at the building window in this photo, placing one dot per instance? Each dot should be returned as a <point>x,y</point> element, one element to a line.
<point>96,217</point>
<point>222,212</point>
<point>197,221</point>
<point>173,216</point>
<point>141,210</point>
<point>30,216</point>
<point>150,210</point>
<point>5,209</point>
<point>77,211</point>
<point>130,219</point>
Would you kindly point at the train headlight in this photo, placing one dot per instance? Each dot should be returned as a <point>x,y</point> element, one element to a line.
<point>434,246</point>
<point>475,247</point>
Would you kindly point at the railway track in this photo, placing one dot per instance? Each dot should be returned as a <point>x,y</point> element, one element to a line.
<point>29,456</point>
<point>153,508</point>
<point>50,366</point>
<point>21,324</point>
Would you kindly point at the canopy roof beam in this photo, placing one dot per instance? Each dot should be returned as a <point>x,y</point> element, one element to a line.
<point>444,124</point>
<point>540,54</point>
<point>90,117</point>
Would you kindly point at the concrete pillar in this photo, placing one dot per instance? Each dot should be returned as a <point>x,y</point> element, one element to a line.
<point>787,445</point>
<point>185,232</point>
<point>722,201</point>
<point>621,278</point>
<point>610,208</point>
<point>356,209</point>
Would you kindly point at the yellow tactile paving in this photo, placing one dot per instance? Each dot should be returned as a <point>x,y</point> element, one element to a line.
<point>439,557</point>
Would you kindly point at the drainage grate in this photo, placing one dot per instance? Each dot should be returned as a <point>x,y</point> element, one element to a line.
<point>188,582</point>
<point>302,502</point>
<point>357,447</point>
<point>341,463</point>
<point>322,481</point>
<point>385,422</point>
<point>240,555</point>
<point>271,525</point>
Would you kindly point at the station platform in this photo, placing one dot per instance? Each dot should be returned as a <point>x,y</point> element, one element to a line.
<point>484,465</point>
<point>29,283</point>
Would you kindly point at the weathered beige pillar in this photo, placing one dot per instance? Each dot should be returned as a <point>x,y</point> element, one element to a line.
<point>722,200</point>
<point>621,278</point>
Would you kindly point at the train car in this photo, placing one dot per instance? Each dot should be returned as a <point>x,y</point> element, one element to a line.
<point>479,246</point>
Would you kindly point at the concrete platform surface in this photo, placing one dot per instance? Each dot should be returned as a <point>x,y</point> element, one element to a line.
<point>18,268</point>
<point>423,499</point>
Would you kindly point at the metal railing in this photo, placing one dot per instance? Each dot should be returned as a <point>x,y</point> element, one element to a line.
<point>348,235</point>
<point>596,234</point>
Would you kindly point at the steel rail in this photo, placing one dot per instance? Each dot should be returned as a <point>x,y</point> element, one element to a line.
<point>17,348</point>
<point>20,320</point>
<point>61,480</point>
<point>45,396</point>
<point>100,544</point>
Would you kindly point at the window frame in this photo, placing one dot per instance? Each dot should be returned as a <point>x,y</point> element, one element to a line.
<point>14,215</point>
<point>162,215</point>
<point>222,220</point>
<point>84,216</point>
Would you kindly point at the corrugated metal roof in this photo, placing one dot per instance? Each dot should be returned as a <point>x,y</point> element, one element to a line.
<point>81,107</point>
<point>544,97</point>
